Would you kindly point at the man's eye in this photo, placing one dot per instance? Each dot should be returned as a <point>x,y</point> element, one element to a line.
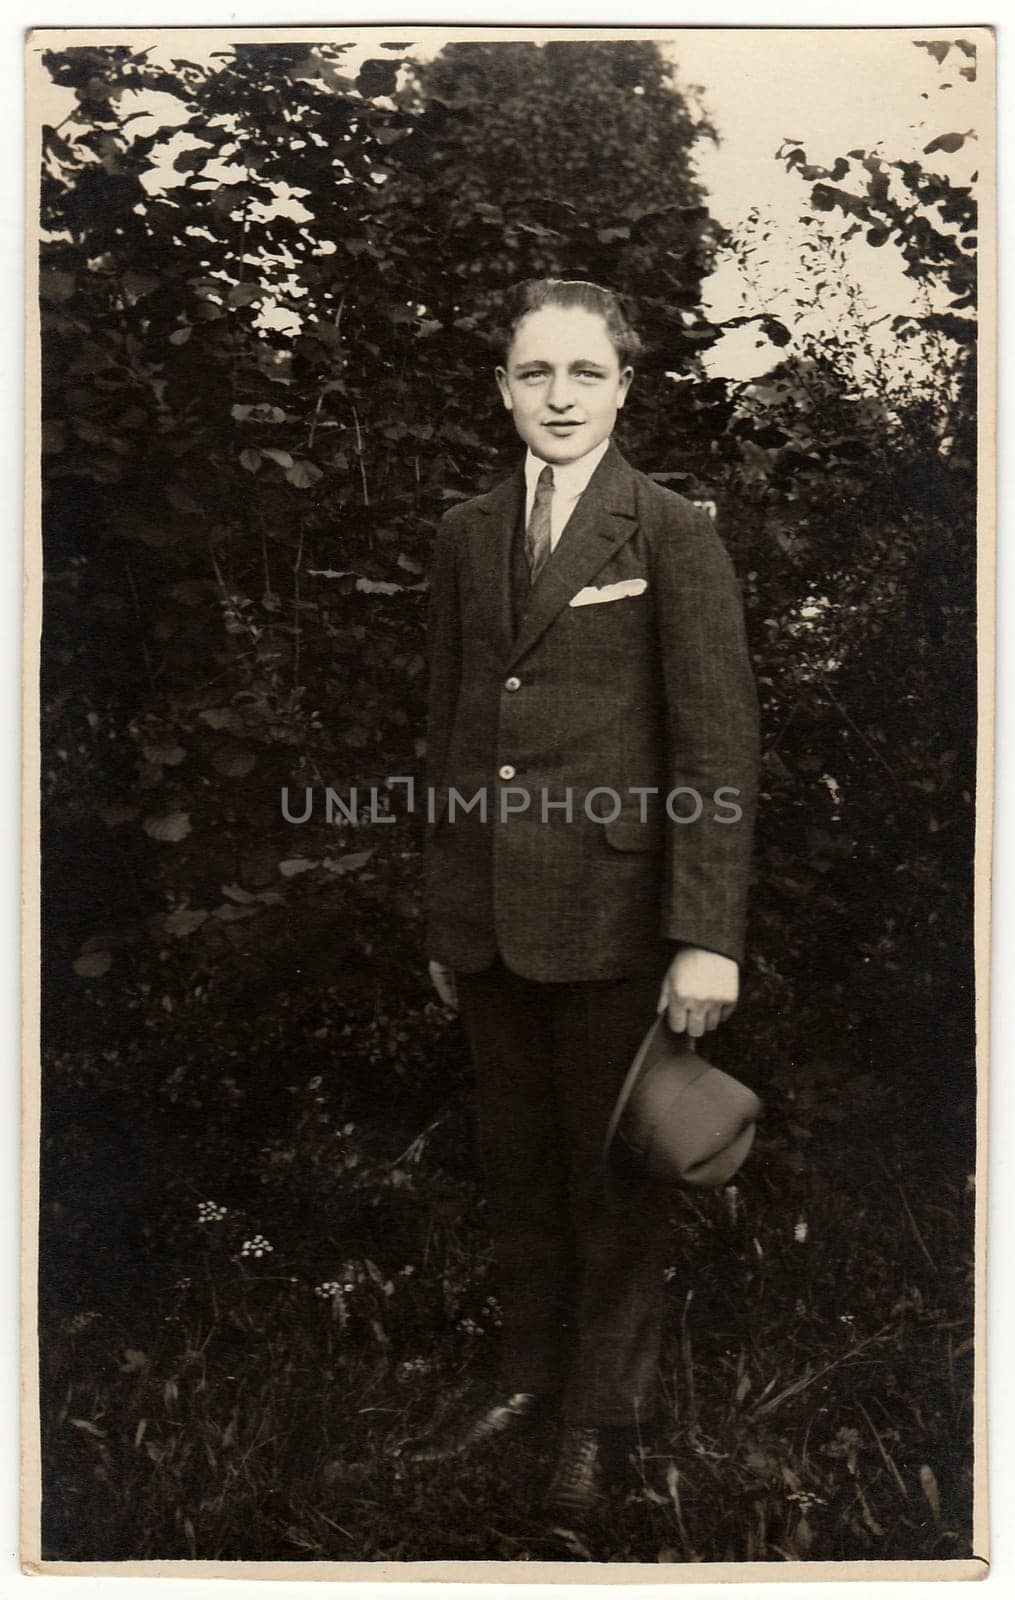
<point>532,377</point>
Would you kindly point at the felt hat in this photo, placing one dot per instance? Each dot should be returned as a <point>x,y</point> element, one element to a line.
<point>683,1120</point>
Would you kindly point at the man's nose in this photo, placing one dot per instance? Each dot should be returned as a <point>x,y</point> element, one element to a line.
<point>559,398</point>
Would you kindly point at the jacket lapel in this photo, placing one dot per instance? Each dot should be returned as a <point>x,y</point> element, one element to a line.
<point>603,520</point>
<point>492,534</point>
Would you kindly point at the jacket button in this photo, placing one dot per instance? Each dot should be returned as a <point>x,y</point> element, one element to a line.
<point>512,684</point>
<point>507,773</point>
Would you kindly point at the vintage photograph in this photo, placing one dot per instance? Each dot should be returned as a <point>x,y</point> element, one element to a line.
<point>509,552</point>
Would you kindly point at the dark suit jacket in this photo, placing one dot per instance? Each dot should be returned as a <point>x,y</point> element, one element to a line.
<point>651,690</point>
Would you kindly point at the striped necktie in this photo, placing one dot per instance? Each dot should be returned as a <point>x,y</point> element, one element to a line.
<point>537,534</point>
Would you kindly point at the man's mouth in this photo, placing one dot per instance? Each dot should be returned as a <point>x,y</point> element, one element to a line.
<point>563,425</point>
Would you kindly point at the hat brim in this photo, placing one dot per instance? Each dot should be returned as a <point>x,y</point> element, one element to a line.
<point>637,1068</point>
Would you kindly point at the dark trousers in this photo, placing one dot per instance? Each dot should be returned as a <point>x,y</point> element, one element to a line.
<point>581,1259</point>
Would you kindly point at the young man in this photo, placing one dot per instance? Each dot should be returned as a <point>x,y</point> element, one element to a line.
<point>592,748</point>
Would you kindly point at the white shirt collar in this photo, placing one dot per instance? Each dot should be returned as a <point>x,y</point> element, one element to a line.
<point>570,479</point>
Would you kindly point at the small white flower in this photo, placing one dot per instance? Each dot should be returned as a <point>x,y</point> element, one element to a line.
<point>208,1211</point>
<point>257,1246</point>
<point>800,1231</point>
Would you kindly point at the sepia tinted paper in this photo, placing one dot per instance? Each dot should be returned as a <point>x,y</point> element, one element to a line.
<point>840,98</point>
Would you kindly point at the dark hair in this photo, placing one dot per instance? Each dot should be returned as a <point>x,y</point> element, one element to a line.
<point>535,293</point>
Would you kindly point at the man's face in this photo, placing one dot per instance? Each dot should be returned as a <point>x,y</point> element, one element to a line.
<point>563,382</point>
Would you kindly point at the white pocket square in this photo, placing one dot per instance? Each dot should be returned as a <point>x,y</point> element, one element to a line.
<point>609,591</point>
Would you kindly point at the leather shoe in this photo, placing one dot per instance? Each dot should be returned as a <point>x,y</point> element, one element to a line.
<point>483,1428</point>
<point>577,1483</point>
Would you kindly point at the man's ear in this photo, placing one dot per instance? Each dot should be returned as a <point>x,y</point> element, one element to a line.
<point>626,378</point>
<point>505,392</point>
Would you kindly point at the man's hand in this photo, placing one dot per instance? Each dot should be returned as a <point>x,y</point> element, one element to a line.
<point>443,980</point>
<point>699,990</point>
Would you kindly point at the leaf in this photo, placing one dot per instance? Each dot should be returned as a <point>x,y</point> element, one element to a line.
<point>932,1495</point>
<point>349,863</point>
<point>938,48</point>
<point>257,413</point>
<point>181,500</point>
<point>181,335</point>
<point>245,294</point>
<point>56,287</point>
<point>139,284</point>
<point>87,1427</point>
<point>377,586</point>
<point>234,760</point>
<point>165,755</point>
<point>282,458</point>
<point>776,331</point>
<point>326,332</point>
<point>296,865</point>
<point>95,965</point>
<point>946,142</point>
<point>134,1361</point>
<point>804,1536</point>
<point>377,78</point>
<point>184,922</point>
<point>235,913</point>
<point>169,827</point>
<point>116,813</point>
<point>192,160</point>
<point>251,460</point>
<point>303,474</point>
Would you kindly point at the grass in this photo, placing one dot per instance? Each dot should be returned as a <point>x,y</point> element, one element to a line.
<point>203,1400</point>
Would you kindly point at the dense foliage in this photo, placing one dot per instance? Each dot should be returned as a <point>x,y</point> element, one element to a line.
<point>266,364</point>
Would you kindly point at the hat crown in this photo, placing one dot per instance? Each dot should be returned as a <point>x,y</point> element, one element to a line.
<point>687,1120</point>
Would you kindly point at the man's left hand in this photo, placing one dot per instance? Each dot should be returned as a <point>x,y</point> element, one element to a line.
<point>699,990</point>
